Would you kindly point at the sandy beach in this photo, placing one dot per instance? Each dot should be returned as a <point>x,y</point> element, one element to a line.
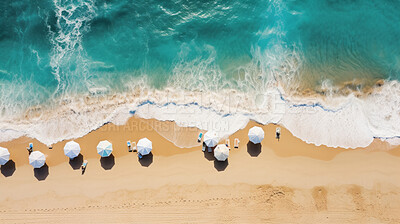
<point>327,73</point>
<point>280,182</point>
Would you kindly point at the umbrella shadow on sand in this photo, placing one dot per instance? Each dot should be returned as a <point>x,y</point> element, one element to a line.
<point>147,160</point>
<point>76,162</point>
<point>107,162</point>
<point>8,169</point>
<point>253,149</point>
<point>221,165</point>
<point>42,172</point>
<point>209,155</point>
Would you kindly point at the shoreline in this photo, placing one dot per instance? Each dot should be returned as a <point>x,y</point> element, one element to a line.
<point>289,176</point>
<point>136,128</point>
<point>347,121</point>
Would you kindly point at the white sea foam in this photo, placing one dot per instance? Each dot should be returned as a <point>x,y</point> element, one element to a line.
<point>72,19</point>
<point>353,123</point>
<point>345,127</point>
<point>350,124</point>
<point>200,95</point>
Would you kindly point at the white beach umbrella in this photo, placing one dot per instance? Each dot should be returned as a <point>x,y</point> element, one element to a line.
<point>104,148</point>
<point>4,155</point>
<point>37,159</point>
<point>144,146</point>
<point>221,152</point>
<point>211,139</point>
<point>72,149</point>
<point>256,135</point>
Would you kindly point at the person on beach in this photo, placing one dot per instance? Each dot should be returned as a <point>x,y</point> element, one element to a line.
<point>84,164</point>
<point>30,148</point>
<point>129,146</point>
<point>278,133</point>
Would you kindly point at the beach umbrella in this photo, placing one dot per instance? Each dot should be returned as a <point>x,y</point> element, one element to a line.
<point>144,146</point>
<point>72,149</point>
<point>221,152</point>
<point>256,135</point>
<point>37,159</point>
<point>4,155</point>
<point>104,148</point>
<point>211,139</point>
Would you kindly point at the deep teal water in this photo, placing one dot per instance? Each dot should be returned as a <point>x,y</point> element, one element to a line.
<point>51,49</point>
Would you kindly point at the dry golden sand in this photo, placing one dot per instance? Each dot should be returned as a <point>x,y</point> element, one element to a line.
<point>283,182</point>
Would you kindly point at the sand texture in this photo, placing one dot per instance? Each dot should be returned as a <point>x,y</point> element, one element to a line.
<point>276,182</point>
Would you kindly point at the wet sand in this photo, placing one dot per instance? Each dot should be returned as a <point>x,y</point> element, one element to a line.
<point>278,181</point>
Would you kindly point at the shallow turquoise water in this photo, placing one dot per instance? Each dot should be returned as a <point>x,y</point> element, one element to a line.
<point>51,49</point>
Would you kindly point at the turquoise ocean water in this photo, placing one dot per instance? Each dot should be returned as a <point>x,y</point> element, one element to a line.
<point>51,50</point>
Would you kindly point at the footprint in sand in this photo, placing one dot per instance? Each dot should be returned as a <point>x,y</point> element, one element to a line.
<point>320,198</point>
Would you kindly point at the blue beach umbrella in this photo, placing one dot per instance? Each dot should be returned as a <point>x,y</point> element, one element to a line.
<point>37,159</point>
<point>211,139</point>
<point>221,152</point>
<point>4,155</point>
<point>72,149</point>
<point>256,135</point>
<point>144,146</point>
<point>104,148</point>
